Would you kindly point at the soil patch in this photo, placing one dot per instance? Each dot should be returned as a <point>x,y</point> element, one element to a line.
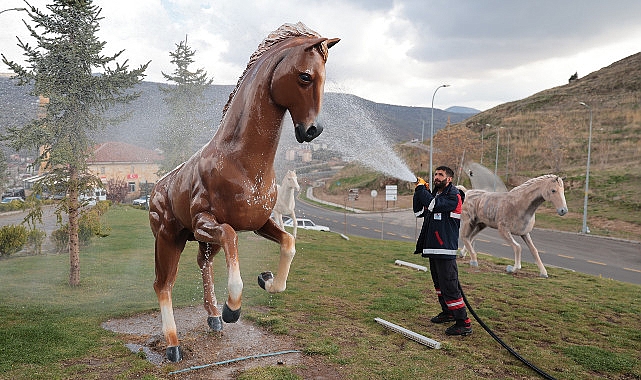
<point>241,340</point>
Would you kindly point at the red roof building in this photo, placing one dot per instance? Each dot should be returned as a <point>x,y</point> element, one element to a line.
<point>122,161</point>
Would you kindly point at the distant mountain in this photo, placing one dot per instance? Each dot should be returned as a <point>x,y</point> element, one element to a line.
<point>396,123</point>
<point>546,130</point>
<point>463,110</point>
<point>16,106</point>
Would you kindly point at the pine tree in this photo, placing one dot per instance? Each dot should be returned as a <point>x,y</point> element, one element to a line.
<point>184,99</point>
<point>3,172</point>
<point>61,68</point>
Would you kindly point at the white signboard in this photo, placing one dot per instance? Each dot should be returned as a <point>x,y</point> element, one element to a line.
<point>391,192</point>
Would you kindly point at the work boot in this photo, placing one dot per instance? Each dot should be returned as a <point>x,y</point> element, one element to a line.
<point>460,328</point>
<point>443,317</point>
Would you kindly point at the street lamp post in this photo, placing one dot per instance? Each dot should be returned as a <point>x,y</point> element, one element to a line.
<point>496,160</point>
<point>585,229</point>
<point>432,132</point>
<point>482,129</point>
<point>507,160</point>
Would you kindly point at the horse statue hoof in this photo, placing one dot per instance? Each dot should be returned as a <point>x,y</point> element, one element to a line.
<point>174,354</point>
<point>543,275</point>
<point>263,278</point>
<point>215,323</point>
<point>474,263</point>
<point>510,269</point>
<point>229,315</point>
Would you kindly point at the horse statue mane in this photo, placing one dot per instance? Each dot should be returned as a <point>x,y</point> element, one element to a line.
<point>533,181</point>
<point>284,32</point>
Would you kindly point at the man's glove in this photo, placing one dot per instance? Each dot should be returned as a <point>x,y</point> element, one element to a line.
<point>421,181</point>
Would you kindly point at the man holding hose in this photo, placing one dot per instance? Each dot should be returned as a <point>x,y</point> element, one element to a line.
<point>438,241</point>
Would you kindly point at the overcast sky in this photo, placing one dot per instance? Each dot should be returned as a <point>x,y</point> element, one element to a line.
<point>395,52</point>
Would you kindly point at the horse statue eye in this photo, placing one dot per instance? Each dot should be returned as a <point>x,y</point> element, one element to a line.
<point>553,191</point>
<point>305,77</point>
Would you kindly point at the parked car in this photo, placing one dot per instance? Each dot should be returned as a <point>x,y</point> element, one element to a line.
<point>57,197</point>
<point>307,224</point>
<point>142,201</point>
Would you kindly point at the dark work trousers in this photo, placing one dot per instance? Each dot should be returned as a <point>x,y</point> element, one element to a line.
<point>445,277</point>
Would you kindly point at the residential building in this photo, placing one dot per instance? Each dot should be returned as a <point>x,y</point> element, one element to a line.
<point>122,161</point>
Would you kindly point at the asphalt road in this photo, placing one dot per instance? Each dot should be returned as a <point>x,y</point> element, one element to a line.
<point>17,217</point>
<point>49,220</point>
<point>604,257</point>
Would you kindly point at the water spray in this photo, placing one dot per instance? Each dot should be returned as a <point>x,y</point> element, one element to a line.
<point>355,134</point>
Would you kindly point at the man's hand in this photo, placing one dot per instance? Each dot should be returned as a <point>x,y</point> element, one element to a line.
<point>421,181</point>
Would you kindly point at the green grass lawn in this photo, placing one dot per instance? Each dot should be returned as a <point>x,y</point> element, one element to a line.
<point>571,325</point>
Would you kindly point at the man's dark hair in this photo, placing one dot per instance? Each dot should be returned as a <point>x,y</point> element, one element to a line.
<point>449,172</point>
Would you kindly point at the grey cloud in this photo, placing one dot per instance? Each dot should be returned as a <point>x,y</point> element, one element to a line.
<point>505,34</point>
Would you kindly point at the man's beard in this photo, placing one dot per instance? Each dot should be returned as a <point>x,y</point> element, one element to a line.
<point>439,185</point>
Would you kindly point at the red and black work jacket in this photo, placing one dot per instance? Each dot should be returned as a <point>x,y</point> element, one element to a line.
<point>441,215</point>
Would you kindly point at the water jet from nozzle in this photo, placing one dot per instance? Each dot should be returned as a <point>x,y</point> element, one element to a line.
<point>355,135</point>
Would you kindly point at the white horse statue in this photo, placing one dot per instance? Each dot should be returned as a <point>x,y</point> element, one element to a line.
<point>286,201</point>
<point>511,213</point>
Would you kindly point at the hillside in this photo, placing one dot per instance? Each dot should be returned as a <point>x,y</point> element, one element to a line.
<point>549,130</point>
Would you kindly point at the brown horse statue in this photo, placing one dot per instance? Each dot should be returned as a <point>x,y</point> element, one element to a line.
<point>228,185</point>
<point>511,213</point>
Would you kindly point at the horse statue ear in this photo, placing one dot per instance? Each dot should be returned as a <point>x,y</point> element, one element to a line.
<point>318,43</point>
<point>331,42</point>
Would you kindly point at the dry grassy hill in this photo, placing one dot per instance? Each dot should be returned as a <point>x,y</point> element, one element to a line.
<point>549,130</point>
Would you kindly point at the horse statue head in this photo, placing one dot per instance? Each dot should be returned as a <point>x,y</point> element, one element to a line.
<point>554,192</point>
<point>297,56</point>
<point>291,180</point>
